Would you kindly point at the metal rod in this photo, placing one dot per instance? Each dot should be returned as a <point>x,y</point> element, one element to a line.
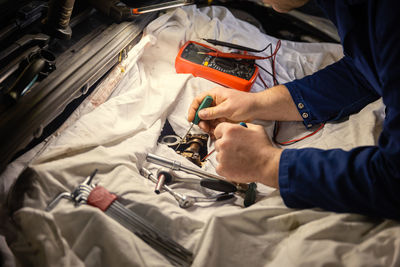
<point>172,250</point>
<point>162,6</point>
<point>176,165</point>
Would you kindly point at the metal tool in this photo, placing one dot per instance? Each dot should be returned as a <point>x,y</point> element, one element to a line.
<point>183,200</point>
<point>178,166</point>
<point>98,196</point>
<point>119,11</point>
<point>248,190</point>
<point>79,195</point>
<point>161,6</point>
<point>168,176</point>
<point>207,101</point>
<point>193,147</point>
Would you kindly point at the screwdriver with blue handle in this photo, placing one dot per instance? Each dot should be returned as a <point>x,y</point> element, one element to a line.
<point>207,101</point>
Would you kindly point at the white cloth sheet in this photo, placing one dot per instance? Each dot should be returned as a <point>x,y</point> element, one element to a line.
<point>115,136</point>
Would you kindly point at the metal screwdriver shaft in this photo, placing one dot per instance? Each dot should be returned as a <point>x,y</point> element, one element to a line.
<point>204,104</point>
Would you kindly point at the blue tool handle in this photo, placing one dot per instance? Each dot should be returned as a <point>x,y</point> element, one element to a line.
<point>204,104</point>
<point>243,124</point>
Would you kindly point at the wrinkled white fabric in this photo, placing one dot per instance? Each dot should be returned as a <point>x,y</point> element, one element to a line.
<point>115,137</point>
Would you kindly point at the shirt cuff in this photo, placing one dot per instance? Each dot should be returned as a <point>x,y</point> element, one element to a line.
<point>284,179</point>
<point>302,107</point>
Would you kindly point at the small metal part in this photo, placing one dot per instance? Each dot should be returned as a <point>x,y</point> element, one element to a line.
<point>160,183</point>
<point>193,147</point>
<point>182,200</point>
<point>205,103</point>
<point>184,137</point>
<point>170,140</point>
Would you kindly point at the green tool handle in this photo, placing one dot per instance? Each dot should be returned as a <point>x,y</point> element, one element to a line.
<point>204,104</point>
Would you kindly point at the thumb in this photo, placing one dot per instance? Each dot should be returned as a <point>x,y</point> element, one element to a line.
<point>211,113</point>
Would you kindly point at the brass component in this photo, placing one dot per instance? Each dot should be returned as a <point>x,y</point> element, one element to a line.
<point>194,147</point>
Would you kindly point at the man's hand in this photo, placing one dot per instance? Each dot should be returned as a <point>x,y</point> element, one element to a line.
<point>246,154</point>
<point>231,105</point>
<point>228,105</point>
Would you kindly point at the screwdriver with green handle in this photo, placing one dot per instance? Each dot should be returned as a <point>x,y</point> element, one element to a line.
<point>207,101</point>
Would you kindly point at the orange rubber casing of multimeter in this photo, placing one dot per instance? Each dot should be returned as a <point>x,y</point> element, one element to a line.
<point>234,73</point>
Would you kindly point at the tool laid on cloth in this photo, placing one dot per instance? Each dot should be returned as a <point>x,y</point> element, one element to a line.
<point>168,176</point>
<point>98,196</point>
<point>196,58</point>
<point>185,201</point>
<point>207,101</point>
<point>178,166</point>
<point>248,192</point>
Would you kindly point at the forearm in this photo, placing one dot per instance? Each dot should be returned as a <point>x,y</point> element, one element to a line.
<point>275,103</point>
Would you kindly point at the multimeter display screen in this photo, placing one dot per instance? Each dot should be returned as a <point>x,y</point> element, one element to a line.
<point>240,68</point>
<point>191,53</point>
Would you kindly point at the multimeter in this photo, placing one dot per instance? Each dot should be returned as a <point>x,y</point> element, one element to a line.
<point>235,73</point>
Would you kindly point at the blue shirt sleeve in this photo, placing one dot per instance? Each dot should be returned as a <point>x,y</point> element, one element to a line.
<point>366,179</point>
<point>332,93</point>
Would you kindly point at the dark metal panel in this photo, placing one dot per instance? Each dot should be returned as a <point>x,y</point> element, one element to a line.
<point>77,69</point>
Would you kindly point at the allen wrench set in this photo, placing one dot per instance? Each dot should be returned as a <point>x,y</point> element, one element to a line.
<point>99,197</point>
